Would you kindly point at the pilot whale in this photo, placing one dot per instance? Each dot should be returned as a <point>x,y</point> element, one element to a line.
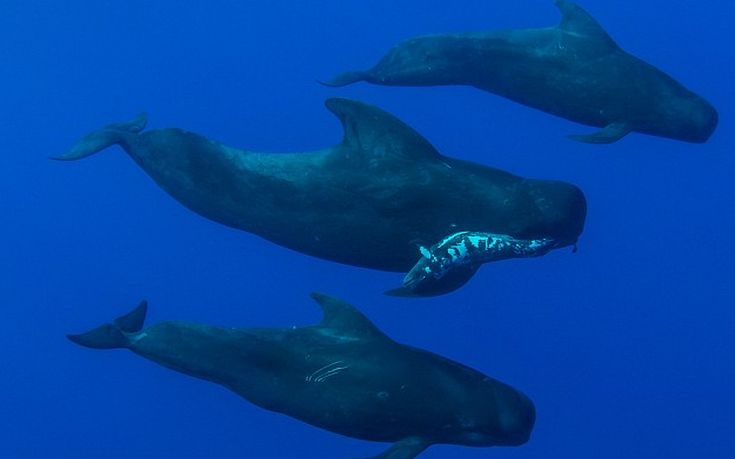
<point>343,375</point>
<point>367,201</point>
<point>574,70</point>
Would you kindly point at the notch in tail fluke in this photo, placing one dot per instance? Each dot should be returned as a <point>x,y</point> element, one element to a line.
<point>104,137</point>
<point>113,335</point>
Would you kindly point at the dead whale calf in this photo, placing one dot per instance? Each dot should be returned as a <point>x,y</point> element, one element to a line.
<point>343,375</point>
<point>364,202</point>
<point>450,263</point>
<point>574,70</point>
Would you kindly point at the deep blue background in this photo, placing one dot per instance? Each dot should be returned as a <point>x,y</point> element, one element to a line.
<point>626,347</point>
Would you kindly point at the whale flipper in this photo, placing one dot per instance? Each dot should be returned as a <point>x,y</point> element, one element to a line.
<point>104,137</point>
<point>408,448</point>
<point>450,282</point>
<point>113,335</point>
<point>372,131</point>
<point>401,292</point>
<point>609,134</point>
<point>344,79</point>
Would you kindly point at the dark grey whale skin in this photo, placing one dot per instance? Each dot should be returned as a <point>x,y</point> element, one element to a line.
<point>368,201</point>
<point>574,70</point>
<point>343,375</point>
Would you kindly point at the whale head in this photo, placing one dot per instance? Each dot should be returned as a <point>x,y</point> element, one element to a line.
<point>560,211</point>
<point>679,114</point>
<point>498,416</point>
<point>693,119</point>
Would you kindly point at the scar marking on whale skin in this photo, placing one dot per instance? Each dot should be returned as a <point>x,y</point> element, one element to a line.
<point>137,337</point>
<point>383,395</point>
<point>327,371</point>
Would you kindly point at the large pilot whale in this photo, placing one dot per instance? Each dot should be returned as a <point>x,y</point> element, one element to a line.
<point>343,375</point>
<point>574,70</point>
<point>369,201</point>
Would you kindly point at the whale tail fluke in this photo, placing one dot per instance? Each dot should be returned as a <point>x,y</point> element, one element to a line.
<point>344,79</point>
<point>102,138</point>
<point>115,334</point>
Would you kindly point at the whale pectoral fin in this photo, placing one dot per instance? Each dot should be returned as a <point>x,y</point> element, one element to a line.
<point>408,448</point>
<point>344,79</point>
<point>609,134</point>
<point>402,292</point>
<point>452,280</point>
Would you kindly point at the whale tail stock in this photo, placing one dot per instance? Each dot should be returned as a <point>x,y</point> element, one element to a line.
<point>104,137</point>
<point>114,334</point>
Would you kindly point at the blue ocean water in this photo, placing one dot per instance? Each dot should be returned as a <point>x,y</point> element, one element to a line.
<point>626,347</point>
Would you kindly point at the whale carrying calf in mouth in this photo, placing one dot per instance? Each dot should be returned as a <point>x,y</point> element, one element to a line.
<point>342,375</point>
<point>450,263</point>
<point>363,202</point>
<point>574,70</point>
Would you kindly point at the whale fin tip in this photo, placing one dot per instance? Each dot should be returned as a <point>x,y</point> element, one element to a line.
<point>609,134</point>
<point>408,448</point>
<point>104,137</point>
<point>113,335</point>
<point>400,292</point>
<point>344,79</point>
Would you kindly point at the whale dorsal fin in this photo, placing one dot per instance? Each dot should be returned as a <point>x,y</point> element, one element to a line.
<point>575,20</point>
<point>377,134</point>
<point>343,319</point>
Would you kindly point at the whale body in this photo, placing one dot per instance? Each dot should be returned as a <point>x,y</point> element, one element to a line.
<point>574,70</point>
<point>368,201</point>
<point>450,263</point>
<point>343,375</point>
